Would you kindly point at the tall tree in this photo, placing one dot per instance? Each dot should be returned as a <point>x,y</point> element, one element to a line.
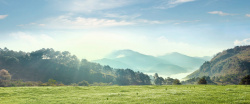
<point>202,81</point>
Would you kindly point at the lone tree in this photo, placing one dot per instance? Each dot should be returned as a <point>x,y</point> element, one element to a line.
<point>176,82</point>
<point>202,81</point>
<point>5,75</point>
<point>245,80</point>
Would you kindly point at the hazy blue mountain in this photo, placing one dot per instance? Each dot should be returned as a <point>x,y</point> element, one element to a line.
<point>187,62</point>
<point>113,63</point>
<point>167,69</point>
<point>168,64</point>
<point>135,59</point>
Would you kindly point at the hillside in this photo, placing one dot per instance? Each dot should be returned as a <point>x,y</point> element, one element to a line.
<point>168,64</point>
<point>228,66</point>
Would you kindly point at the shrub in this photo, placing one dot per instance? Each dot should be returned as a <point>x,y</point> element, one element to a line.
<point>5,75</point>
<point>74,84</point>
<point>83,83</point>
<point>245,80</point>
<point>176,82</point>
<point>202,81</point>
<point>4,83</point>
<point>52,82</point>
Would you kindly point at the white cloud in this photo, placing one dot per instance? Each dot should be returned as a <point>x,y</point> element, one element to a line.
<point>192,21</point>
<point>221,13</point>
<point>145,21</point>
<point>149,21</point>
<point>179,1</point>
<point>88,6</point>
<point>3,16</point>
<point>121,16</point>
<point>41,24</point>
<point>31,24</point>
<point>242,42</point>
<point>248,15</point>
<point>181,22</point>
<point>96,44</point>
<point>172,3</point>
<point>69,22</point>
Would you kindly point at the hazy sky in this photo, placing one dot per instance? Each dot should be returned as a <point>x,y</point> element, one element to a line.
<point>93,28</point>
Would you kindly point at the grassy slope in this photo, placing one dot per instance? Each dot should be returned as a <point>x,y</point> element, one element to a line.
<point>124,94</point>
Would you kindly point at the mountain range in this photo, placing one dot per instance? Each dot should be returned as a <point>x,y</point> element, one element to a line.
<point>167,64</point>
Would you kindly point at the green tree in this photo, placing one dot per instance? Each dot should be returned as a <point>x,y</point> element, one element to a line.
<point>158,80</point>
<point>83,83</point>
<point>169,81</point>
<point>176,82</point>
<point>51,82</point>
<point>245,80</point>
<point>5,75</point>
<point>202,81</point>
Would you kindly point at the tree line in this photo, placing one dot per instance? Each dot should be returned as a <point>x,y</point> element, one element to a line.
<point>45,64</point>
<point>167,81</point>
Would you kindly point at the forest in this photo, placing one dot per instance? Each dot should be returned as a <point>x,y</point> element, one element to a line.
<point>63,67</point>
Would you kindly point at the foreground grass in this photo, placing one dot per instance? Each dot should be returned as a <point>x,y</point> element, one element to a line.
<point>126,94</point>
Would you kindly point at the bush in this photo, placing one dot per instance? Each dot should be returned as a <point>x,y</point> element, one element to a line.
<point>5,83</point>
<point>245,80</point>
<point>176,82</point>
<point>74,84</point>
<point>43,84</point>
<point>5,75</point>
<point>60,84</point>
<point>83,83</point>
<point>202,81</point>
<point>52,82</point>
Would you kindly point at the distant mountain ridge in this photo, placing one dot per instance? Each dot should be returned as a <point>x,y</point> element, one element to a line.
<point>184,61</point>
<point>168,64</point>
<point>232,63</point>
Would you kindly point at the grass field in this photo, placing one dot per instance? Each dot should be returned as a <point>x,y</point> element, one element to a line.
<point>126,94</point>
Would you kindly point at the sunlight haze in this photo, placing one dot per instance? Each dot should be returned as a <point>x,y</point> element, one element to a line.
<point>92,29</point>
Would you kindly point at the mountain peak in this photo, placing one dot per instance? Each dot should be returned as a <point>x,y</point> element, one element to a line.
<point>177,53</point>
<point>174,54</point>
<point>122,53</point>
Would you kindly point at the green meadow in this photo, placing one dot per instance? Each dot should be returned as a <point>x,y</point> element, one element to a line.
<point>208,94</point>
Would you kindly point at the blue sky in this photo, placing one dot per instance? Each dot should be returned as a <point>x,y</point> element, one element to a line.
<point>93,28</point>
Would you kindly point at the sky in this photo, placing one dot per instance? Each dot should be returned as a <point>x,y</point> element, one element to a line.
<point>91,29</point>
